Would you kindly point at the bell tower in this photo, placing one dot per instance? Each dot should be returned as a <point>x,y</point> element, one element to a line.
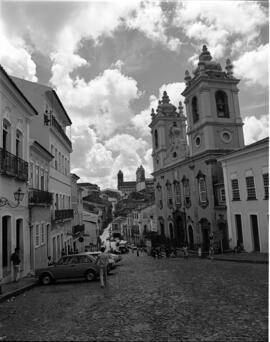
<point>168,129</point>
<point>120,178</point>
<point>212,106</point>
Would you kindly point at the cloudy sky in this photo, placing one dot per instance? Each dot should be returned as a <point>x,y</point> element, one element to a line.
<point>110,62</point>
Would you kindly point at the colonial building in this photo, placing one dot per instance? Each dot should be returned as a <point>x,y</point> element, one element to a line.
<point>246,179</point>
<point>16,113</point>
<point>189,189</point>
<point>39,201</point>
<point>141,183</point>
<point>48,128</point>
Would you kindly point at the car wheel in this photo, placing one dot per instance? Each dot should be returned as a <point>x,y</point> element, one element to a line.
<point>45,279</point>
<point>90,275</point>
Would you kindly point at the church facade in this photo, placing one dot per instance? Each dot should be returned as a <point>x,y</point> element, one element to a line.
<point>141,183</point>
<point>189,186</point>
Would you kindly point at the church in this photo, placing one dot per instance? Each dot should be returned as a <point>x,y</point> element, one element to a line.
<point>189,186</point>
<point>141,183</point>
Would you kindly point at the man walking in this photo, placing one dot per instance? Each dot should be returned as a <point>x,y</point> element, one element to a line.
<point>102,261</point>
<point>15,258</point>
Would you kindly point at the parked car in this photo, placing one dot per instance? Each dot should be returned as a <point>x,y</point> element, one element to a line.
<point>112,262</point>
<point>115,257</point>
<point>69,267</point>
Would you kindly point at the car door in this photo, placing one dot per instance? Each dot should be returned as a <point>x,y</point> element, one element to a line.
<point>61,270</point>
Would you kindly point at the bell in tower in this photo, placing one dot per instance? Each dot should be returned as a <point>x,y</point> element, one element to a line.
<point>212,106</point>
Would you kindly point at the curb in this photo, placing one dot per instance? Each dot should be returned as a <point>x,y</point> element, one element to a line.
<point>17,292</point>
<point>244,261</point>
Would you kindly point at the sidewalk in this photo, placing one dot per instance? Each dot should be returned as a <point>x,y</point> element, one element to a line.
<point>253,257</point>
<point>13,289</point>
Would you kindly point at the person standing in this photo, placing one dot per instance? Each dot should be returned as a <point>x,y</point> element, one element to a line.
<point>102,261</point>
<point>138,252</point>
<point>15,258</point>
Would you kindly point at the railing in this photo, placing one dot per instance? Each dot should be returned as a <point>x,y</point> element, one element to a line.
<point>11,165</point>
<point>77,230</point>
<point>55,123</point>
<point>63,214</point>
<point>36,196</point>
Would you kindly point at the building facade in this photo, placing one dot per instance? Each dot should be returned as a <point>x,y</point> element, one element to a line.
<point>49,129</point>
<point>189,187</point>
<point>246,179</point>
<point>16,113</point>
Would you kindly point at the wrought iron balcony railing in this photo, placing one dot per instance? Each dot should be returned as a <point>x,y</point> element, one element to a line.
<point>63,214</point>
<point>11,165</point>
<point>50,120</point>
<point>36,196</point>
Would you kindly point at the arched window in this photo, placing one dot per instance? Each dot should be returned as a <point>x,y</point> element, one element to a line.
<point>186,192</point>
<point>195,112</point>
<point>169,194</point>
<point>203,201</point>
<point>18,143</point>
<point>156,138</point>
<point>222,104</point>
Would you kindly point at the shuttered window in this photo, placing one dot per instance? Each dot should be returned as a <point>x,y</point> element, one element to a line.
<point>266,185</point>
<point>251,192</point>
<point>235,190</point>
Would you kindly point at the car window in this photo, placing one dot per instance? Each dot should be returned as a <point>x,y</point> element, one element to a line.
<point>65,260</point>
<point>84,259</point>
<point>74,260</point>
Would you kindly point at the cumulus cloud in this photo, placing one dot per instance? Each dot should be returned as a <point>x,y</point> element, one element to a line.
<point>215,25</point>
<point>252,66</point>
<point>256,128</point>
<point>15,56</point>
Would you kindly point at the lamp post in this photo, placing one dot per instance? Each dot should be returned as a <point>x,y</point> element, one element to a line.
<point>18,196</point>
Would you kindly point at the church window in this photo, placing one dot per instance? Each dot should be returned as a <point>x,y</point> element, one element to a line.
<point>156,138</point>
<point>195,112</point>
<point>174,154</point>
<point>198,141</point>
<point>186,192</point>
<point>203,201</point>
<point>222,104</point>
<point>177,193</point>
<point>169,194</point>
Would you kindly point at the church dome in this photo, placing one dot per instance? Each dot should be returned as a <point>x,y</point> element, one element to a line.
<point>206,63</point>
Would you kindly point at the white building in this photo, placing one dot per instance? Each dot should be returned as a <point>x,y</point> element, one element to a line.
<point>15,115</point>
<point>49,130</point>
<point>91,230</point>
<point>246,181</point>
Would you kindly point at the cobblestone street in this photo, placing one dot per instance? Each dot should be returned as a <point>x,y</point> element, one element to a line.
<point>147,300</point>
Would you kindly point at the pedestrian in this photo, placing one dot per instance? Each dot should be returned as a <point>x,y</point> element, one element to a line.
<point>15,258</point>
<point>102,261</point>
<point>211,253</point>
<point>185,250</point>
<point>138,252</point>
<point>50,262</point>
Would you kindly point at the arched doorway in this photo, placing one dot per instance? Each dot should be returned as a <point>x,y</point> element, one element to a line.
<point>6,247</point>
<point>161,228</point>
<point>190,237</point>
<point>171,231</point>
<point>179,230</point>
<point>223,229</point>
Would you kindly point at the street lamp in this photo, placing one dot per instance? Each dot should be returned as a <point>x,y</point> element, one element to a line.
<point>18,195</point>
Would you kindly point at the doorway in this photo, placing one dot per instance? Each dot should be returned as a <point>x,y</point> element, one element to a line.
<point>6,248</point>
<point>190,237</point>
<point>255,233</point>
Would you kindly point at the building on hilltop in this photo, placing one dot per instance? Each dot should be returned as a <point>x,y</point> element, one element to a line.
<point>141,183</point>
<point>189,187</point>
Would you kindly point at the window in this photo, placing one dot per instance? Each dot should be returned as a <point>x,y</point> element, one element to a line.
<point>177,193</point>
<point>46,180</point>
<point>42,187</point>
<point>55,158</point>
<point>186,192</point>
<point>235,190</point>
<point>6,143</point>
<point>42,237</point>
<point>156,138</point>
<point>202,190</point>
<point>63,164</point>
<point>251,192</point>
<point>37,177</point>
<point>222,104</point>
<point>31,175</point>
<point>195,112</point>
<point>59,161</point>
<point>169,193</point>
<point>222,195</point>
<point>18,144</point>
<point>37,235</point>
<point>266,185</point>
<point>52,152</point>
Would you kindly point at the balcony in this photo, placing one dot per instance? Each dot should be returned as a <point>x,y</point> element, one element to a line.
<point>39,197</point>
<point>13,166</point>
<point>78,230</point>
<point>63,214</point>
<point>49,119</point>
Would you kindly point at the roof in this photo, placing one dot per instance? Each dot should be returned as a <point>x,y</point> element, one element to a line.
<point>32,89</point>
<point>247,148</point>
<point>18,89</point>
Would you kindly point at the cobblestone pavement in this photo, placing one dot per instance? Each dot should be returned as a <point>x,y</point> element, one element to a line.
<point>147,300</point>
